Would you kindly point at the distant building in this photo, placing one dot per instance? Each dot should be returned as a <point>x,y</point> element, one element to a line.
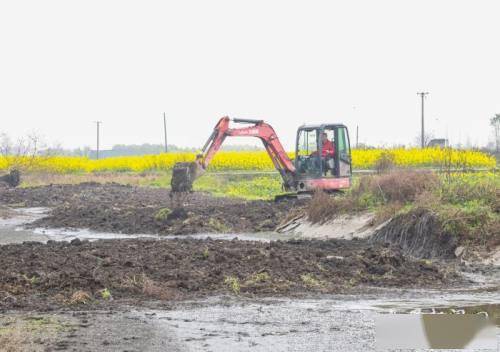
<point>438,142</point>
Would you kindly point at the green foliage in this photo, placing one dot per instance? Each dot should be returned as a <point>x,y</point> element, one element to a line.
<point>257,278</point>
<point>465,187</point>
<point>31,280</point>
<point>241,186</point>
<point>311,281</point>
<point>217,225</point>
<point>162,214</point>
<point>106,294</point>
<point>233,283</point>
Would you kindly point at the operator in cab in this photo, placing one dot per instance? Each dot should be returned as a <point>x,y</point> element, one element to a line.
<point>328,149</point>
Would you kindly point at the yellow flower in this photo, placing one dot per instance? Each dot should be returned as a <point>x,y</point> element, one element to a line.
<point>245,160</point>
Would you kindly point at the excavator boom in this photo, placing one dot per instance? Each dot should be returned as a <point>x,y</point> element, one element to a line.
<point>185,173</point>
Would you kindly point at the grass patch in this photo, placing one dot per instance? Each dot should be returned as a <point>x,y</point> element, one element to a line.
<point>106,294</point>
<point>311,281</point>
<point>24,333</point>
<point>162,214</point>
<point>258,278</point>
<point>233,283</point>
<point>80,297</point>
<point>467,204</point>
<point>241,186</point>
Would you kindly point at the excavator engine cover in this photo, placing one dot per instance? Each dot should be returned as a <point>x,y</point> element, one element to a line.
<point>183,176</point>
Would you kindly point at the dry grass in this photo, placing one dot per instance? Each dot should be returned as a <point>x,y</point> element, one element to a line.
<point>324,207</point>
<point>27,333</point>
<point>399,186</point>
<point>148,287</point>
<point>386,212</point>
<point>13,340</point>
<point>388,193</point>
<point>385,162</point>
<point>80,297</point>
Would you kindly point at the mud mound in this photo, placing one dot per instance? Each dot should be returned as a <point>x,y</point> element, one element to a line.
<point>126,209</point>
<point>12,179</point>
<point>419,234</point>
<point>33,274</point>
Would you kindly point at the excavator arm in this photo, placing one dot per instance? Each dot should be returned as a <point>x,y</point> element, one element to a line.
<point>185,173</point>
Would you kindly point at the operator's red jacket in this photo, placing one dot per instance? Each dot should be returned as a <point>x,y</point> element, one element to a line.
<point>328,148</point>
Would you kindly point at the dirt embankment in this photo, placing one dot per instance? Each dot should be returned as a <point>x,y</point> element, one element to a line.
<point>418,233</point>
<point>54,274</point>
<point>126,209</point>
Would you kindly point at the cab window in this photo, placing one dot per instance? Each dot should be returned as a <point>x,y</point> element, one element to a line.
<point>308,142</point>
<point>344,153</point>
<point>308,159</point>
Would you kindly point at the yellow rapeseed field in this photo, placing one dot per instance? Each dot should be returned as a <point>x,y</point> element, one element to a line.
<point>239,160</point>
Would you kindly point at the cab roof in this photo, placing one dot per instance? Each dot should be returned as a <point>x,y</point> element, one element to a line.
<point>321,126</point>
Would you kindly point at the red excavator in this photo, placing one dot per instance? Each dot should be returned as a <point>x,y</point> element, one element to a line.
<point>322,156</point>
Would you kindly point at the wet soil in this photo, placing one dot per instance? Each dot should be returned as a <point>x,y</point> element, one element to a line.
<point>132,210</point>
<point>34,275</point>
<point>335,323</point>
<point>419,233</point>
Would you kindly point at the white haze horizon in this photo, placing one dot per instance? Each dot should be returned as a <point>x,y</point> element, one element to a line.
<point>64,65</point>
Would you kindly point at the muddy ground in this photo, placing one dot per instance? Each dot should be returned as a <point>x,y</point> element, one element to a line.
<point>126,209</point>
<point>35,275</point>
<point>179,294</point>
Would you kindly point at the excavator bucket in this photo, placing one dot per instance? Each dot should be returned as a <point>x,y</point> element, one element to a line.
<point>183,176</point>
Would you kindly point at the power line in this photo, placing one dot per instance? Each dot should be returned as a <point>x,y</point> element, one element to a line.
<point>422,96</point>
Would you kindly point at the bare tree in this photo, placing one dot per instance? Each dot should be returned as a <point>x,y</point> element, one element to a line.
<point>427,138</point>
<point>22,153</point>
<point>5,144</point>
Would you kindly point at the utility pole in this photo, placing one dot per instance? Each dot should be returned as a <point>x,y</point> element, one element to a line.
<point>165,131</point>
<point>422,96</point>
<point>98,123</point>
<point>357,135</point>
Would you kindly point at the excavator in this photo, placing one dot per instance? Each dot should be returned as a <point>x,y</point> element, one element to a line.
<point>322,156</point>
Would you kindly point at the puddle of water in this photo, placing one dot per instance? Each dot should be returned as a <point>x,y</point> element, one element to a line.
<point>85,234</point>
<point>336,323</point>
<point>23,216</point>
<point>436,331</point>
<point>12,231</point>
<point>491,311</point>
<point>464,323</point>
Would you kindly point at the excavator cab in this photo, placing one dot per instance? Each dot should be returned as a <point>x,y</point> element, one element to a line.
<point>323,158</point>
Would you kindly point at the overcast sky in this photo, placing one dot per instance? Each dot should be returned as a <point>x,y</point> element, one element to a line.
<point>65,64</point>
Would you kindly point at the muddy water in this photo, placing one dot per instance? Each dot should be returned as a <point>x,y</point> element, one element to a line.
<point>12,230</point>
<point>328,324</point>
<point>334,323</point>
